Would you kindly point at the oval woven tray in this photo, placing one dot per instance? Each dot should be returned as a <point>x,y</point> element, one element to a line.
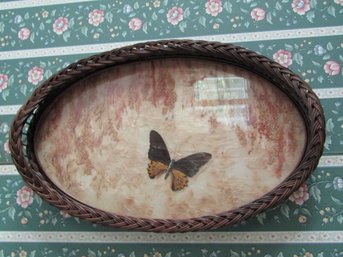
<point>26,121</point>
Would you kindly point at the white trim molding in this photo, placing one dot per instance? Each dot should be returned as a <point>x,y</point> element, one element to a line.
<point>331,161</point>
<point>273,237</point>
<point>8,170</point>
<point>9,109</point>
<point>328,93</point>
<point>36,3</point>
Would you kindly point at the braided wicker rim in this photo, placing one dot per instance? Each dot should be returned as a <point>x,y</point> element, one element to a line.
<point>307,103</point>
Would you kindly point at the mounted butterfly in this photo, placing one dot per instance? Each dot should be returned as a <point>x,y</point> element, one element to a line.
<point>160,163</point>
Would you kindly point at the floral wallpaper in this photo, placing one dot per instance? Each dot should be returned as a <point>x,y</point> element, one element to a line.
<point>107,21</point>
<point>308,224</point>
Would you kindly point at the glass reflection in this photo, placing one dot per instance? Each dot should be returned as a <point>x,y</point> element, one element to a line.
<point>224,97</point>
<point>221,88</point>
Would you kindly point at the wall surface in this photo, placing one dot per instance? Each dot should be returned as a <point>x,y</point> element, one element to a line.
<point>38,38</point>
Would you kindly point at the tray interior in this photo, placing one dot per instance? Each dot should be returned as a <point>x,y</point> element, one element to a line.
<point>94,139</point>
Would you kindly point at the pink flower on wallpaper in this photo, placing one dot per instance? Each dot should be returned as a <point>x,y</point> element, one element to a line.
<point>339,2</point>
<point>60,25</point>
<point>258,14</point>
<point>332,68</point>
<point>96,17</point>
<point>7,147</point>
<point>214,7</point>
<point>175,15</point>
<point>135,24</point>
<point>24,196</point>
<point>301,6</point>
<point>24,33</point>
<point>3,81</point>
<point>35,75</point>
<point>283,57</point>
<point>300,196</point>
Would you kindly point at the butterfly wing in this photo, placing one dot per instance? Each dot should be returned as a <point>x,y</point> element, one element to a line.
<point>179,180</point>
<point>191,164</point>
<point>158,155</point>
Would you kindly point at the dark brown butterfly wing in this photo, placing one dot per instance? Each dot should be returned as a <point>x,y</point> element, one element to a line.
<point>158,155</point>
<point>158,150</point>
<point>191,164</point>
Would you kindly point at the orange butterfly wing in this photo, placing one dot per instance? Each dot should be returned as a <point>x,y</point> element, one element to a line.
<point>156,168</point>
<point>179,180</point>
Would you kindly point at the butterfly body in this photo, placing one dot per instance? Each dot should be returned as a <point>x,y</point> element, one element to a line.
<point>169,169</point>
<point>160,163</point>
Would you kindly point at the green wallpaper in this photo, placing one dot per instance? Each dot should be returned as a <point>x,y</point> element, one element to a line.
<point>38,39</point>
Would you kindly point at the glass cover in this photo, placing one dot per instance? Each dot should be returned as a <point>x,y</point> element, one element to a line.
<point>213,136</point>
